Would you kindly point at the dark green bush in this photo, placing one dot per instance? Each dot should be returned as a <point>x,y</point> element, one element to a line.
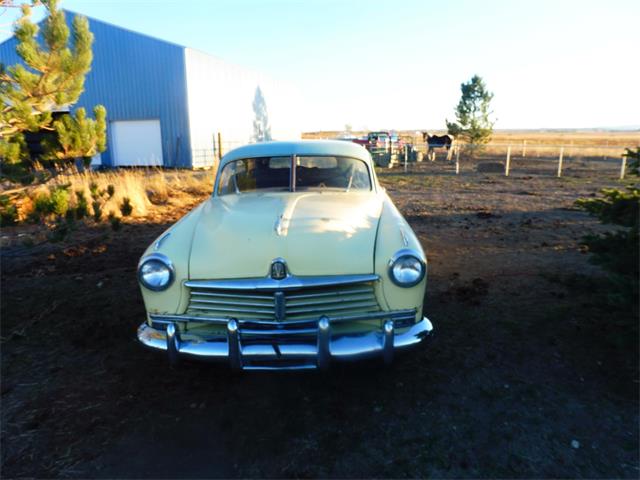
<point>55,202</point>
<point>619,207</point>
<point>70,216</point>
<point>8,212</point>
<point>97,210</point>
<point>42,205</point>
<point>125,207</point>
<point>115,222</point>
<point>618,252</point>
<point>634,157</point>
<point>59,231</point>
<point>82,206</point>
<point>93,189</point>
<point>16,172</point>
<point>59,198</point>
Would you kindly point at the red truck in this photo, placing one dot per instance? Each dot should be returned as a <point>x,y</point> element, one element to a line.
<point>381,142</point>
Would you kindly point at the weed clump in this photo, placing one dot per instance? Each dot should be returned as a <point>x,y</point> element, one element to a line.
<point>97,211</point>
<point>114,221</point>
<point>47,204</point>
<point>125,207</point>
<point>59,199</point>
<point>8,212</point>
<point>93,189</point>
<point>82,206</point>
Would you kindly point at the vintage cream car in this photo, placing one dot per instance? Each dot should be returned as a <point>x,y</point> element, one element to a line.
<point>297,260</point>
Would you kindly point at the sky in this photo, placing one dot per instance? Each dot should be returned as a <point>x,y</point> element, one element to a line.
<point>399,64</point>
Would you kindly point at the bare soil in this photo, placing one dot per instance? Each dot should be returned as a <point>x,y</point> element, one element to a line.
<point>528,375</point>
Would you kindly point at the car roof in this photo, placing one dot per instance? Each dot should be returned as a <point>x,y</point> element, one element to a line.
<point>298,147</point>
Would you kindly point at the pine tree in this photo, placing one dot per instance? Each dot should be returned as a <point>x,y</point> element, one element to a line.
<point>618,252</point>
<point>261,127</point>
<point>472,113</point>
<point>78,136</point>
<point>51,78</point>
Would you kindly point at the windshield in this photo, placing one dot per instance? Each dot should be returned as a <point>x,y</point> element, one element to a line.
<point>312,173</point>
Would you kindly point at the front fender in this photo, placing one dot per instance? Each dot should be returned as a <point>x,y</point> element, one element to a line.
<point>175,243</point>
<point>394,233</point>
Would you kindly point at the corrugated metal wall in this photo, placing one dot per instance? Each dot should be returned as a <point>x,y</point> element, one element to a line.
<point>135,77</point>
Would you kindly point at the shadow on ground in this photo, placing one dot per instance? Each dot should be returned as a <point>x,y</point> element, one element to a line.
<point>525,377</point>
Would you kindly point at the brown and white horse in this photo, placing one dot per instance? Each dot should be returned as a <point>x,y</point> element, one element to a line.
<point>437,141</point>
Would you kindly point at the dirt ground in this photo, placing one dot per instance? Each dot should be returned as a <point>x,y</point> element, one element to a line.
<point>528,375</point>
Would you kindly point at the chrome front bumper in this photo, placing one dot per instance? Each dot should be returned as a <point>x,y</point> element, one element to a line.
<point>278,349</point>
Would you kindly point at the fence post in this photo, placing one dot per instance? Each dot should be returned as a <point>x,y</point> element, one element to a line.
<point>215,146</point>
<point>524,148</point>
<point>457,159</point>
<point>406,154</point>
<point>219,146</point>
<point>623,167</point>
<point>508,163</point>
<point>560,162</point>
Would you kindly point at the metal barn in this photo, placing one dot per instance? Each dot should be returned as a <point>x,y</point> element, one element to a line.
<point>166,103</point>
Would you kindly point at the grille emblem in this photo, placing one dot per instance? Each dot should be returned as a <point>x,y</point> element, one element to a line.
<point>279,305</point>
<point>278,270</point>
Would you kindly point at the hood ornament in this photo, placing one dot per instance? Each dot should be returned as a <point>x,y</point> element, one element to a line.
<point>278,269</point>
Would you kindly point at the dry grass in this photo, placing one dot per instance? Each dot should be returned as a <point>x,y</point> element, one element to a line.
<point>148,191</point>
<point>602,144</point>
<point>145,189</point>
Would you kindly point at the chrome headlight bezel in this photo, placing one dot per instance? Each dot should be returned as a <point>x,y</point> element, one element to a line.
<point>403,253</point>
<point>163,259</point>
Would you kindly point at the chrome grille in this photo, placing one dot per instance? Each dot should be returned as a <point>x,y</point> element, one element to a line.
<point>226,303</point>
<point>336,300</point>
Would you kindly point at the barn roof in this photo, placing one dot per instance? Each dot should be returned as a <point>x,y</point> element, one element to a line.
<point>71,13</point>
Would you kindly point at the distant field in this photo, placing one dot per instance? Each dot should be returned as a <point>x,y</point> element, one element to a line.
<point>577,138</point>
<point>605,144</point>
<point>534,137</point>
<point>600,143</point>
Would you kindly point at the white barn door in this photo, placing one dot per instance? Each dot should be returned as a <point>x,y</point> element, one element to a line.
<point>136,143</point>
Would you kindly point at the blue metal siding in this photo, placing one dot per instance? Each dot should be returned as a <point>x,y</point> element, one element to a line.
<point>135,77</point>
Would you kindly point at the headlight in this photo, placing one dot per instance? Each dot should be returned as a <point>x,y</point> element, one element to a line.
<point>406,269</point>
<point>156,272</point>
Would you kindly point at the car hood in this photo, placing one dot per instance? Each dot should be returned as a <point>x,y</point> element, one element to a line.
<point>316,233</point>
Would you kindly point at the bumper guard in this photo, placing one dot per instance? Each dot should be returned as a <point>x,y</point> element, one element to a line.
<point>262,345</point>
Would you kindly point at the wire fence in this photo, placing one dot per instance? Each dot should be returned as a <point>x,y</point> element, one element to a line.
<point>209,157</point>
<point>512,159</point>
<point>204,158</point>
<point>509,159</point>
